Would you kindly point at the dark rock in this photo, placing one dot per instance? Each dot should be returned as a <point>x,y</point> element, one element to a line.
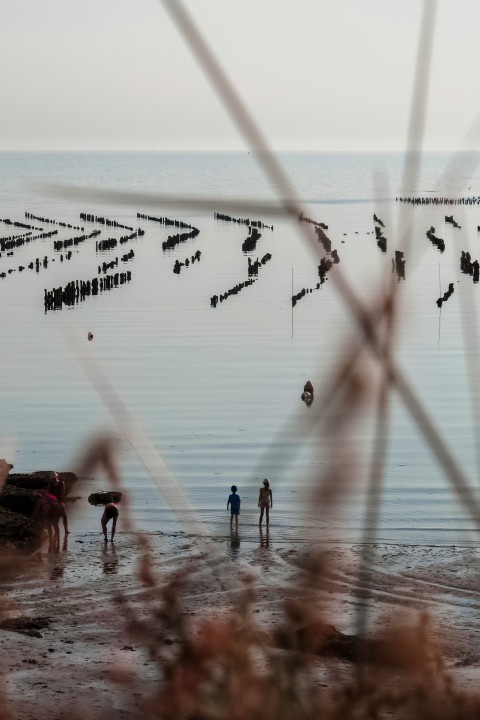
<point>19,495</point>
<point>19,530</point>
<point>18,499</point>
<point>26,626</point>
<point>40,480</point>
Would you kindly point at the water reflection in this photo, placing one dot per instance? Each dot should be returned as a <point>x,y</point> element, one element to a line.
<point>234,545</point>
<point>54,543</point>
<point>54,549</point>
<point>109,559</point>
<point>264,538</point>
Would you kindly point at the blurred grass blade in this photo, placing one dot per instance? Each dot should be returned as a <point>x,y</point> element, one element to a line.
<point>140,199</point>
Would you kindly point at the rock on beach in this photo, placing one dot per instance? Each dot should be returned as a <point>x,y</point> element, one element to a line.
<point>17,504</point>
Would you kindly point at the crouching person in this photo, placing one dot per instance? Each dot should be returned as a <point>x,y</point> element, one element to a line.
<point>110,513</point>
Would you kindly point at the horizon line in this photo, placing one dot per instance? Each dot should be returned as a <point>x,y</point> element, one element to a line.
<point>229,150</point>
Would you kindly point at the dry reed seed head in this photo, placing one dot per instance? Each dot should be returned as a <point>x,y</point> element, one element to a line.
<point>171,611</point>
<point>100,452</point>
<point>351,400</point>
<point>338,478</point>
<point>121,673</point>
<point>184,691</point>
<point>215,638</point>
<point>137,628</point>
<point>261,698</point>
<point>146,570</point>
<point>389,303</point>
<point>13,564</point>
<point>247,595</point>
<point>8,709</point>
<point>297,613</point>
<point>317,565</point>
<point>411,649</point>
<point>359,387</point>
<point>370,700</point>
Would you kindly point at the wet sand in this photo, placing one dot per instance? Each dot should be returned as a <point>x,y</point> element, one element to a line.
<point>75,666</point>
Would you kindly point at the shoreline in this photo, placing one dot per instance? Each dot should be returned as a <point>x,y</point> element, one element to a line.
<point>79,591</point>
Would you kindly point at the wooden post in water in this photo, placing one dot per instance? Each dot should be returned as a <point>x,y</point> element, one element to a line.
<point>291,301</point>
<point>440,313</point>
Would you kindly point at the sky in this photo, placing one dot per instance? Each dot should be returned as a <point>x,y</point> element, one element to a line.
<point>315,74</point>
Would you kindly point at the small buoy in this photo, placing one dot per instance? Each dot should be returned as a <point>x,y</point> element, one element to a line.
<point>307,395</point>
<point>90,336</point>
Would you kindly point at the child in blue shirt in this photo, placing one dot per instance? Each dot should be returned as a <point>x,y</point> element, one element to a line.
<point>234,503</point>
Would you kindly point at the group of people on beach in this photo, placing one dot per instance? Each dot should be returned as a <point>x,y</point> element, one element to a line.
<point>50,508</point>
<point>265,503</point>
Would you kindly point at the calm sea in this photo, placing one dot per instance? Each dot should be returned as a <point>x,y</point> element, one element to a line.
<point>218,389</point>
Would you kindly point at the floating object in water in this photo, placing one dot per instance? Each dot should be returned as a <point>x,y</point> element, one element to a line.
<point>307,395</point>
<point>307,398</point>
<point>90,336</point>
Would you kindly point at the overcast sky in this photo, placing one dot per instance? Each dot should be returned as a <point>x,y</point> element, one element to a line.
<point>316,74</point>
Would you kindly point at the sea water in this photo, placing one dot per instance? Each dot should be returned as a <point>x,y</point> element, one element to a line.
<point>217,390</point>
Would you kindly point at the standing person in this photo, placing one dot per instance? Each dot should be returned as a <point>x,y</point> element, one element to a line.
<point>110,513</point>
<point>56,487</point>
<point>48,513</point>
<point>265,501</point>
<point>234,503</point>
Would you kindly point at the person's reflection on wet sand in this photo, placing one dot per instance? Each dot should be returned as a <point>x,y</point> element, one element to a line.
<point>57,570</point>
<point>234,545</point>
<point>264,538</point>
<point>109,560</point>
<point>53,545</point>
<point>60,562</point>
<point>54,541</point>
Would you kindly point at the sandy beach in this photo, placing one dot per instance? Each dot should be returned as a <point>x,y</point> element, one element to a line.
<point>91,662</point>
